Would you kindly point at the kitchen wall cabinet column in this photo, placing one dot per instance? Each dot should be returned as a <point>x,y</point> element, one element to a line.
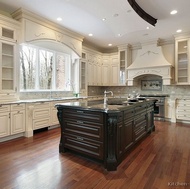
<point>182,61</point>
<point>8,58</point>
<point>83,74</point>
<point>124,61</point>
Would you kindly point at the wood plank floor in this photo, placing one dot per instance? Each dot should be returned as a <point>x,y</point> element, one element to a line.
<point>160,161</point>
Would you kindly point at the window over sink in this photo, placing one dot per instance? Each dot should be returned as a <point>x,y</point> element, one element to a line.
<point>44,69</point>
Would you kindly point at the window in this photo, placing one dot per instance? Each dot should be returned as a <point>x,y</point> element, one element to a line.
<point>43,69</point>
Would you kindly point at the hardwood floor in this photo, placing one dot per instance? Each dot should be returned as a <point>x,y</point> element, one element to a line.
<point>160,161</point>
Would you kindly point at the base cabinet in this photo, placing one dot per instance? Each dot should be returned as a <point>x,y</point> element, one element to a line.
<point>12,119</point>
<point>5,124</point>
<point>183,109</point>
<point>104,135</point>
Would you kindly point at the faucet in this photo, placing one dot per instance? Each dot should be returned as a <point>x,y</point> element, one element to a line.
<point>105,97</point>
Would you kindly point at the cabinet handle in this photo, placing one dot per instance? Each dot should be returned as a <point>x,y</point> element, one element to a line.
<point>80,111</point>
<point>80,138</point>
<point>80,122</point>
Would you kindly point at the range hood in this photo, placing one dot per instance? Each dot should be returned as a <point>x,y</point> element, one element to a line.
<point>150,61</point>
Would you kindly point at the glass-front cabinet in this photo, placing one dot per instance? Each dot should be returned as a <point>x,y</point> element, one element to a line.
<point>182,62</point>
<point>83,74</point>
<point>125,61</point>
<point>8,57</point>
<point>7,66</point>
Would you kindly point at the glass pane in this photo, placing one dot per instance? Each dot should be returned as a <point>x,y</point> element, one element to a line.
<point>46,69</point>
<point>60,75</point>
<point>27,67</point>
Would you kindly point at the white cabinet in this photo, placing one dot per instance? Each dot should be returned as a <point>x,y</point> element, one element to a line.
<point>4,120</point>
<point>114,70</point>
<point>7,51</point>
<point>83,74</point>
<point>105,70</point>
<point>182,61</point>
<point>8,56</point>
<point>124,62</point>
<point>12,119</point>
<point>41,115</point>
<point>183,109</point>
<point>17,118</point>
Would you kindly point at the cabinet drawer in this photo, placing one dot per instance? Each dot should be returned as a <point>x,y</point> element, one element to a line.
<point>17,107</point>
<point>83,115</point>
<point>84,145</point>
<point>4,108</point>
<point>41,123</point>
<point>41,113</point>
<point>139,122</point>
<point>183,117</point>
<point>91,130</point>
<point>140,132</point>
<point>129,113</point>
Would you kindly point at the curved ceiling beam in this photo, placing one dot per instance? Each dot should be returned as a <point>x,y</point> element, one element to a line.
<point>142,13</point>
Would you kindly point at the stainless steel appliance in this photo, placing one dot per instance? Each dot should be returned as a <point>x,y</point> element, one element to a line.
<point>159,106</point>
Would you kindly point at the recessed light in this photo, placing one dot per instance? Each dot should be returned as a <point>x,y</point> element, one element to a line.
<point>173,12</point>
<point>104,19</point>
<point>59,19</point>
<point>119,35</point>
<point>147,27</point>
<point>109,44</point>
<point>178,31</point>
<point>90,34</point>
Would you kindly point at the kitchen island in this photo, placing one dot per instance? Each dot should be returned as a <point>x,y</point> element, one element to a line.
<point>104,134</point>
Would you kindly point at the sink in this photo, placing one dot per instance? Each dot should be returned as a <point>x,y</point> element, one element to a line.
<point>119,101</point>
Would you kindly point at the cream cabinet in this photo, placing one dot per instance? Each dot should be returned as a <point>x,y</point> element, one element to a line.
<point>183,109</point>
<point>18,118</point>
<point>12,119</point>
<point>7,51</point>
<point>83,74</point>
<point>125,60</point>
<point>114,70</point>
<point>105,70</point>
<point>4,120</point>
<point>9,57</point>
<point>41,115</point>
<point>182,61</point>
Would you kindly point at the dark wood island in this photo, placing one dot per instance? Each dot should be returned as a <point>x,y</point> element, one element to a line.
<point>104,134</point>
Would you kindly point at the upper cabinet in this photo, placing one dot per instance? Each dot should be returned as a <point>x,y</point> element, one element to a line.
<point>83,74</point>
<point>124,62</point>
<point>182,68</point>
<point>9,57</point>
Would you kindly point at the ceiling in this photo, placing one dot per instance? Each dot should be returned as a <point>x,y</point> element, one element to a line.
<point>85,17</point>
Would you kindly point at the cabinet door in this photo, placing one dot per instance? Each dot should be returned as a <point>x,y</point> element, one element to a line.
<point>90,73</point>
<point>105,74</point>
<point>8,34</point>
<point>7,62</point>
<point>17,122</point>
<point>182,62</point>
<point>5,124</point>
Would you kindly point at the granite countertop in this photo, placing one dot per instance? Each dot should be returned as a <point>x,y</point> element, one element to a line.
<point>41,100</point>
<point>98,105</point>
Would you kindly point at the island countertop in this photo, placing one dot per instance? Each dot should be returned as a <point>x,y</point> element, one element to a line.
<point>113,104</point>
